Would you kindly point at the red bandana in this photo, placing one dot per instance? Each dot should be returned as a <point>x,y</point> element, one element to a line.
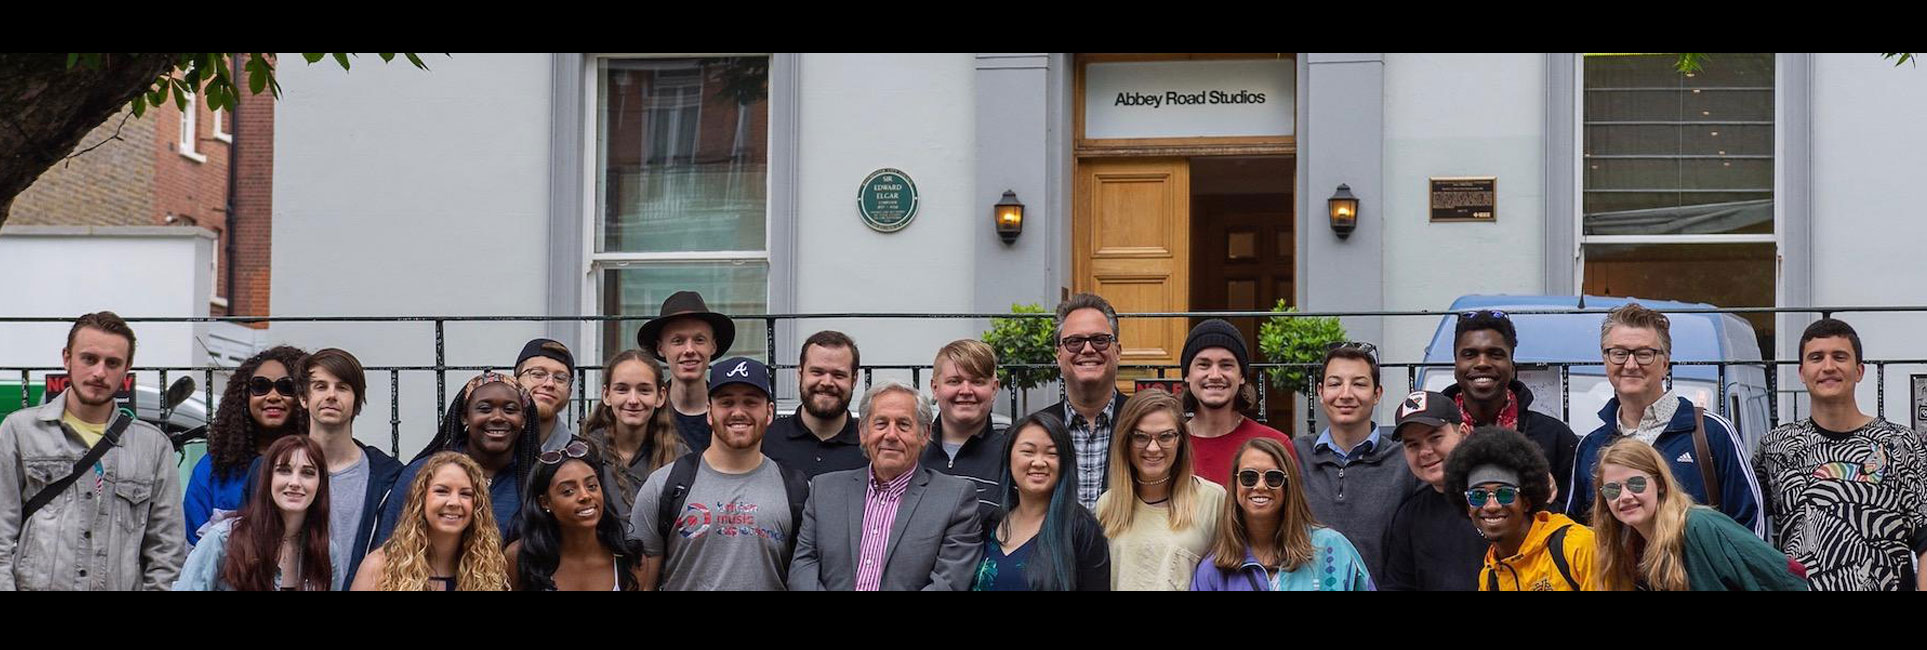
<point>1508,416</point>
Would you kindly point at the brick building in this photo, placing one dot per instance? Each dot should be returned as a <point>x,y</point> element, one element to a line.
<point>176,168</point>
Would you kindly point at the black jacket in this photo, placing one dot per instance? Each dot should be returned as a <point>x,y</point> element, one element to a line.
<point>382,472</point>
<point>1431,545</point>
<point>1553,437</point>
<point>980,461</point>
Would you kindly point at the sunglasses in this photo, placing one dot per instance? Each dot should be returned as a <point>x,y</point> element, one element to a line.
<point>1361,346</point>
<point>1274,478</point>
<point>1099,342</point>
<point>1611,490</point>
<point>259,386</point>
<point>576,449</point>
<point>1494,313</point>
<point>1506,495</point>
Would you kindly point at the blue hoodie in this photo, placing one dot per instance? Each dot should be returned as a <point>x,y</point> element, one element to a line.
<point>1739,490</point>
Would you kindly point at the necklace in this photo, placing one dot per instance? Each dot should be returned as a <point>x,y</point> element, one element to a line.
<point>1153,503</point>
<point>1162,481</point>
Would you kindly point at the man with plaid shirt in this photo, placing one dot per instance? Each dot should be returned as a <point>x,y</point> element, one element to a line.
<point>1087,354</point>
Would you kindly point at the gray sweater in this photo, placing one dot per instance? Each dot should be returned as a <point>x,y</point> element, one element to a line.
<point>1359,498</point>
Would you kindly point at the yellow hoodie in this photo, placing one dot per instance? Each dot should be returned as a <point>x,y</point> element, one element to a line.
<point>1533,569</point>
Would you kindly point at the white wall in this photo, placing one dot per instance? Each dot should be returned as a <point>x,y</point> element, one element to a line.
<point>1459,115</point>
<point>913,112</point>
<point>403,192</point>
<point>1869,149</point>
<point>138,271</point>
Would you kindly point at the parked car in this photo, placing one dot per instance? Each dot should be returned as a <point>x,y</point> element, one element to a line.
<point>1547,341</point>
<point>186,425</point>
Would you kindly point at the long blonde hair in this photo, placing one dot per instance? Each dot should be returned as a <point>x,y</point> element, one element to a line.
<point>482,566</point>
<point>1663,563</point>
<point>1116,513</point>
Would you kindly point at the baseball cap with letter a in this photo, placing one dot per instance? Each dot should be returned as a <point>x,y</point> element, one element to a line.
<point>740,370</point>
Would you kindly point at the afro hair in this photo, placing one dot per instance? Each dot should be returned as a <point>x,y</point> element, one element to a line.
<point>1490,445</point>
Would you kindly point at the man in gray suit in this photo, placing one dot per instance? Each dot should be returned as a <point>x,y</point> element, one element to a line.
<point>894,525</point>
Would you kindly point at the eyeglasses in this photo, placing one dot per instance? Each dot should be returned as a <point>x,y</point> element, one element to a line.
<point>1611,490</point>
<point>576,449</point>
<point>1142,440</point>
<point>1494,313</point>
<point>259,386</point>
<point>1642,356</point>
<point>1361,346</point>
<point>1099,342</point>
<point>1506,494</point>
<point>542,374</point>
<point>1274,478</point>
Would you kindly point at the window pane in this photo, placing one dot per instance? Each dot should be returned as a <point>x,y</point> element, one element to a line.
<point>1722,275</point>
<point>1672,153</point>
<point>727,287</point>
<point>683,154</point>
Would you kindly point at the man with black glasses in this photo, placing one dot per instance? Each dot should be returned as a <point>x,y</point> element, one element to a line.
<point>1087,355</point>
<point>1488,392</point>
<point>545,368</point>
<point>1701,447</point>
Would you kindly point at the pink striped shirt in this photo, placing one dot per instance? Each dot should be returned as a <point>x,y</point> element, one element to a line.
<point>879,513</point>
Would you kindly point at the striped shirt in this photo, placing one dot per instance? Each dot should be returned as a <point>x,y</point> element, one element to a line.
<point>1093,450</point>
<point>879,513</point>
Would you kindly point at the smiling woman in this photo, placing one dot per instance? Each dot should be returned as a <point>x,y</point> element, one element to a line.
<point>279,541</point>
<point>1158,515</point>
<point>571,540</point>
<point>258,407</point>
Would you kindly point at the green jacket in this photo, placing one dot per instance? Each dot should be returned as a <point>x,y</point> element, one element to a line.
<point>1722,555</point>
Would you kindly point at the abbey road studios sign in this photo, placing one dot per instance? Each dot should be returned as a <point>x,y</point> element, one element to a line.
<point>1465,198</point>
<point>887,200</point>
<point>1189,99</point>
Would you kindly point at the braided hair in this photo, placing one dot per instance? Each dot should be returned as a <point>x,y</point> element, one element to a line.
<point>454,433</point>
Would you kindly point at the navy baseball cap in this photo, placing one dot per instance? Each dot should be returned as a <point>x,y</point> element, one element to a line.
<point>740,370</point>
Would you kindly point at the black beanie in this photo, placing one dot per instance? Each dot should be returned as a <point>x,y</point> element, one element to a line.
<point>1215,333</point>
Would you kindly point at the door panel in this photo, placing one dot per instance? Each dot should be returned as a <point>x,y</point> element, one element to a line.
<point>1131,228</point>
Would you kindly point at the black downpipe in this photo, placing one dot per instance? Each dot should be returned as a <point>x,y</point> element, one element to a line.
<point>233,174</point>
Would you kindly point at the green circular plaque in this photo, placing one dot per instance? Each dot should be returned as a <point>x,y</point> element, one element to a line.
<point>887,200</point>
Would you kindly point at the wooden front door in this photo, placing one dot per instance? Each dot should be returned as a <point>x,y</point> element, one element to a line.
<point>1131,233</point>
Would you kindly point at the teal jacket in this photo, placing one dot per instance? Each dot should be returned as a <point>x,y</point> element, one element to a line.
<point>1722,555</point>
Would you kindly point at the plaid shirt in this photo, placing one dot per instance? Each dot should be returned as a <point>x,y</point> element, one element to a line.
<point>1093,442</point>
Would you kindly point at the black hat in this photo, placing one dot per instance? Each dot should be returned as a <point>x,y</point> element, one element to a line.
<point>1428,408</point>
<point>1215,333</point>
<point>550,348</point>
<point>740,370</point>
<point>686,304</point>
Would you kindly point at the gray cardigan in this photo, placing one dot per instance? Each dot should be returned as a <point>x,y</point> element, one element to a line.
<point>1359,498</point>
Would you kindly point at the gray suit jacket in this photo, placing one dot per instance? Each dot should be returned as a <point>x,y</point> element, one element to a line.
<point>934,544</point>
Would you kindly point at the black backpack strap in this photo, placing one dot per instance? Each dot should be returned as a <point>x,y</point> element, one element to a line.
<point>108,440</point>
<point>796,485</point>
<point>674,492</point>
<point>1556,544</point>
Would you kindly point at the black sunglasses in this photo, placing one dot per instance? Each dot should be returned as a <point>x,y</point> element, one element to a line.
<point>259,386</point>
<point>1274,478</point>
<point>1361,346</point>
<point>576,449</point>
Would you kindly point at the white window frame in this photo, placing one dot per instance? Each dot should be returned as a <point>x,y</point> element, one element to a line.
<point>190,130</point>
<point>595,263</point>
<point>1581,239</point>
<point>219,126</point>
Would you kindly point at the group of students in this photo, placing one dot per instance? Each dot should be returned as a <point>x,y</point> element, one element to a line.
<point>683,477</point>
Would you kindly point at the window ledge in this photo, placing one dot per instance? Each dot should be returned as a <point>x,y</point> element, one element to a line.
<point>194,156</point>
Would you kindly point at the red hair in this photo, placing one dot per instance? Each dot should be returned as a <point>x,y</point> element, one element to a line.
<point>254,543</point>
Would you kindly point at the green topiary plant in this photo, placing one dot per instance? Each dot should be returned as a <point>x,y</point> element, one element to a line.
<point>1023,341</point>
<point>1296,340</point>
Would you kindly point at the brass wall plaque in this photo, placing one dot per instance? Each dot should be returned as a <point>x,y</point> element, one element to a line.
<point>1465,198</point>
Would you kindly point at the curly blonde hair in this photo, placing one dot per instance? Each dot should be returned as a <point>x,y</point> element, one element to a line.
<point>482,567</point>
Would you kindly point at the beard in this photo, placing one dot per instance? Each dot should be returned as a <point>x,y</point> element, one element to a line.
<point>825,406</point>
